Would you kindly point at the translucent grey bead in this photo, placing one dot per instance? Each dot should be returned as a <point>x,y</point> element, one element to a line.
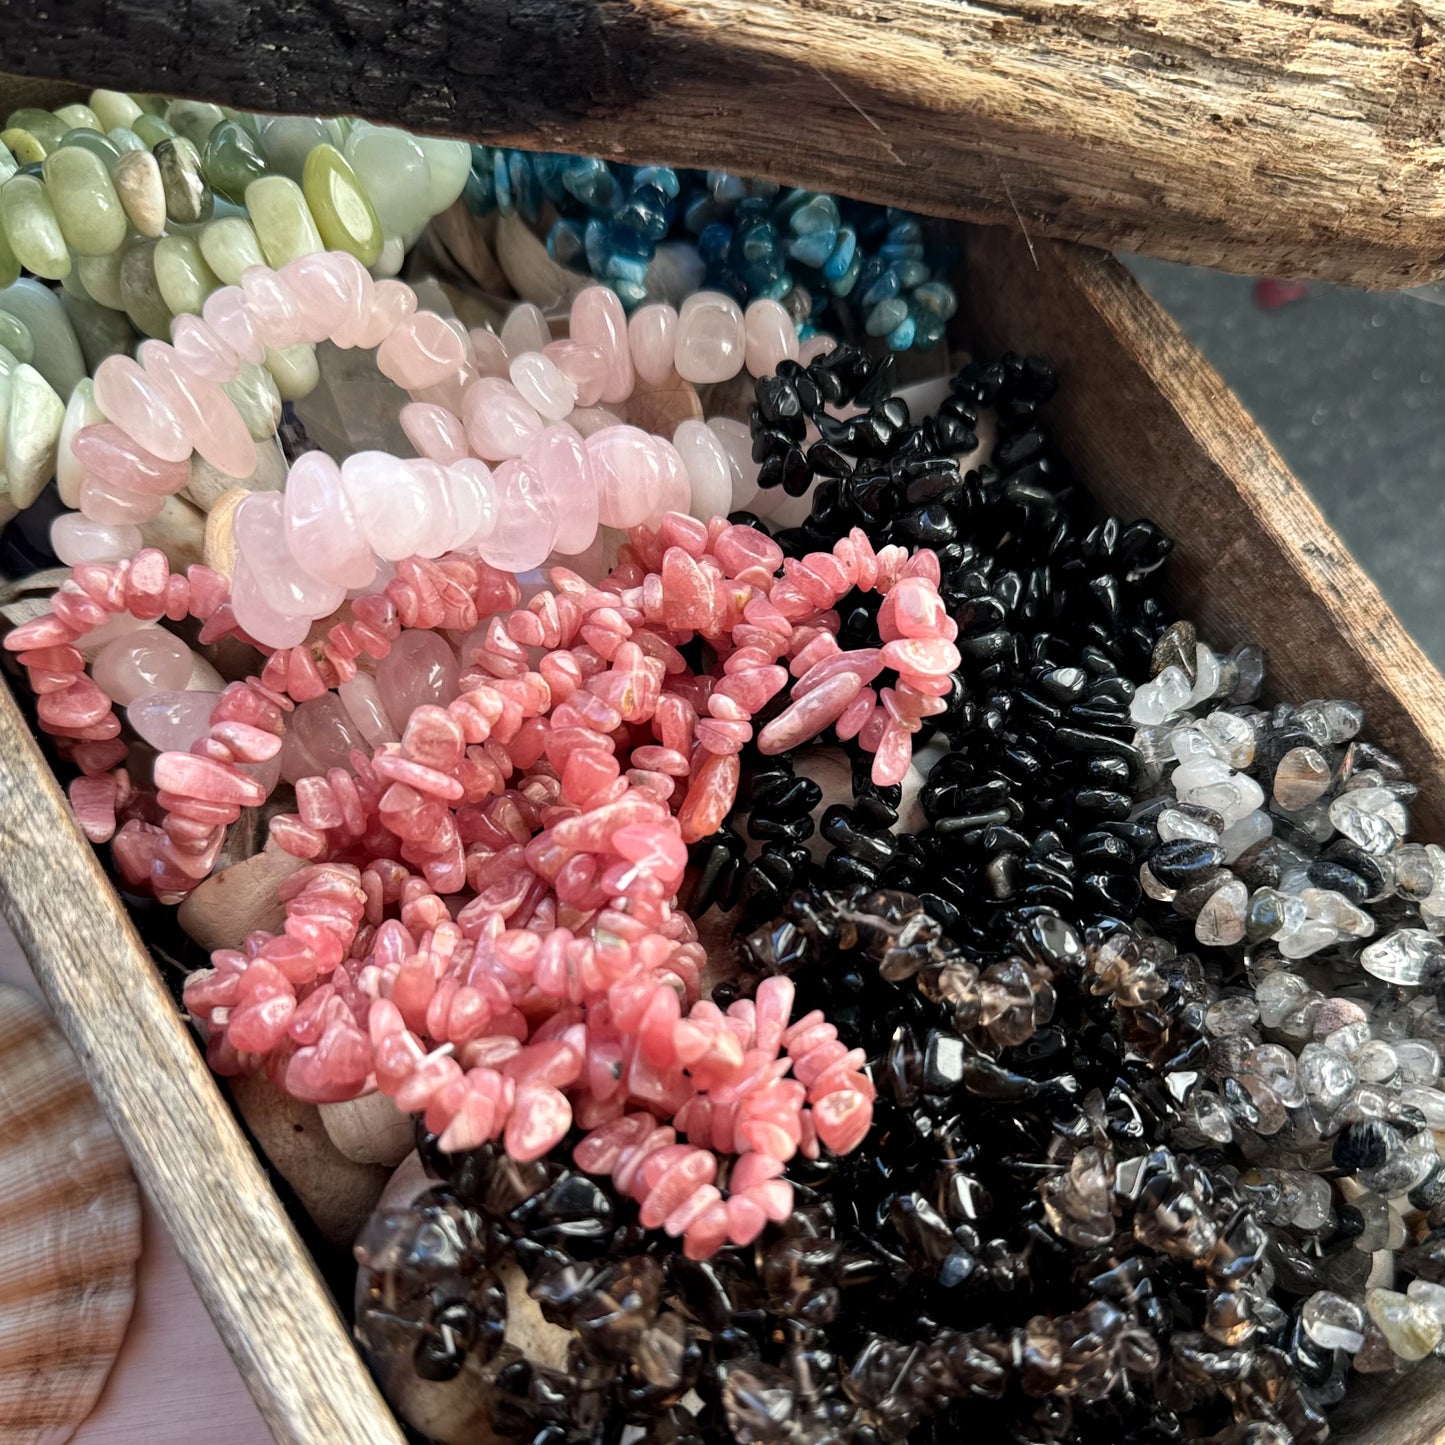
<point>1371,818</point>
<point>1279,994</point>
<point>1376,1063</point>
<point>1333,1322</point>
<point>1326,1076</point>
<point>1232,1015</point>
<point>1408,957</point>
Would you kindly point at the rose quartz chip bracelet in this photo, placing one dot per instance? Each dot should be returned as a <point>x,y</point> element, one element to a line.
<point>473,402</point>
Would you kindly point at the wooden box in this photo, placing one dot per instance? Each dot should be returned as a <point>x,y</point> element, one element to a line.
<point>1152,430</point>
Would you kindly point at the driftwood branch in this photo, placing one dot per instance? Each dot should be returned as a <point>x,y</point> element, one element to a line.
<point>1265,136</point>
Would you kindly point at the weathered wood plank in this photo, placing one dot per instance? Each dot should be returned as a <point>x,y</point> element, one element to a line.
<point>1156,433</point>
<point>251,1270</point>
<point>1260,136</point>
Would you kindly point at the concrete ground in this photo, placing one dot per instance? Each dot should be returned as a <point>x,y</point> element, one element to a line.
<point>1350,386</point>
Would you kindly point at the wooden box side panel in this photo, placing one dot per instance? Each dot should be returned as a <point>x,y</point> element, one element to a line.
<point>252,1271</point>
<point>1154,432</point>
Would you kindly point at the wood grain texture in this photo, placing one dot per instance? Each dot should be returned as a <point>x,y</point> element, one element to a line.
<point>247,1263</point>
<point>1154,432</point>
<point>1394,1411</point>
<point>1266,136</point>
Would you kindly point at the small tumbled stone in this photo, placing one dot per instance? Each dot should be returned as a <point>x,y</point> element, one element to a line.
<point>1303,775</point>
<point>1411,1330</point>
<point>1408,957</point>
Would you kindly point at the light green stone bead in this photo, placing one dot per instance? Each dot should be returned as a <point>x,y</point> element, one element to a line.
<point>393,254</point>
<point>256,398</point>
<point>45,126</point>
<point>9,261</point>
<point>93,141</point>
<point>15,337</point>
<point>140,291</point>
<point>194,119</point>
<point>394,172</point>
<point>71,283</point>
<point>182,274</point>
<point>80,412</point>
<point>8,366</point>
<point>188,197</point>
<point>152,129</point>
<point>100,331</point>
<point>30,224</point>
<point>286,141</point>
<point>229,246</point>
<point>283,221</point>
<point>8,165</point>
<point>231,161</point>
<point>113,108</point>
<point>150,104</point>
<point>76,115</point>
<point>100,275</point>
<point>340,206</point>
<point>248,120</point>
<point>32,430</point>
<point>124,139</point>
<point>85,203</point>
<point>451,163</point>
<point>294,370</point>
<point>24,146</point>
<point>57,351</point>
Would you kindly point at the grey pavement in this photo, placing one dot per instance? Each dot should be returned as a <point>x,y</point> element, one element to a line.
<point>1350,386</point>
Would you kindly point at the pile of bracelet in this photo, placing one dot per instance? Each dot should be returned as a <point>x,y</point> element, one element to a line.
<point>835,958</point>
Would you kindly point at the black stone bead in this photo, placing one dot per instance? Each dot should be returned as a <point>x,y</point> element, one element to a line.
<point>1365,1144</point>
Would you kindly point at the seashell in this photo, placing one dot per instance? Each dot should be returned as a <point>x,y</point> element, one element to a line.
<point>218,547</point>
<point>71,1232</point>
<point>27,598</point>
<point>461,246</point>
<point>240,899</point>
<point>534,275</point>
<point>453,1412</point>
<point>369,1130</point>
<point>178,530</point>
<point>207,483</point>
<point>338,1194</point>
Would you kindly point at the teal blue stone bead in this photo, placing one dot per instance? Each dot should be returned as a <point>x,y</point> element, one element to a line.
<point>663,177</point>
<point>911,274</point>
<point>901,337</point>
<point>843,254</point>
<point>818,213</point>
<point>814,248</point>
<point>929,332</point>
<point>502,183</point>
<point>885,288</point>
<point>886,317</point>
<point>937,297</point>
<point>843,284</point>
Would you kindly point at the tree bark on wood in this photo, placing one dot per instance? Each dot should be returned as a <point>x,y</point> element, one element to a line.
<point>1266,136</point>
